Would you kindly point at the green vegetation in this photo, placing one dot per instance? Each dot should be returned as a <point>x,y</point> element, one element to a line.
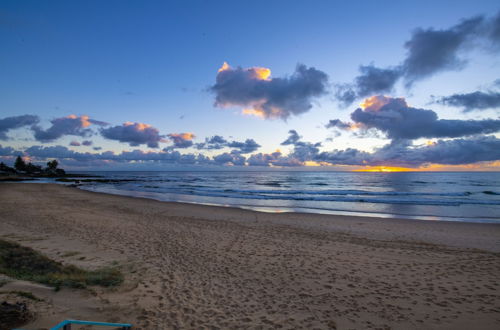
<point>26,264</point>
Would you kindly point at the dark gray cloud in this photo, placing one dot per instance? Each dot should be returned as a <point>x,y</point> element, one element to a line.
<point>75,144</point>
<point>87,143</point>
<point>180,140</point>
<point>472,101</point>
<point>232,158</point>
<point>400,121</point>
<point>273,159</point>
<point>428,52</point>
<point>375,80</point>
<point>293,138</point>
<point>493,29</point>
<point>402,153</point>
<point>302,151</point>
<point>218,142</point>
<point>213,143</point>
<point>348,156</point>
<point>14,122</point>
<point>244,147</point>
<point>134,134</point>
<point>8,151</point>
<point>70,125</point>
<point>269,97</point>
<point>337,123</point>
<point>372,80</point>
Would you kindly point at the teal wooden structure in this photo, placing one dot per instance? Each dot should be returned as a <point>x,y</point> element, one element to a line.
<point>66,324</point>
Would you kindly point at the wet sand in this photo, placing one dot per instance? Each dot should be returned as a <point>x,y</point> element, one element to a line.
<point>193,266</point>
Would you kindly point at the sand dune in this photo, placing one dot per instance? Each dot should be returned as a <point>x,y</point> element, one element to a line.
<point>192,266</point>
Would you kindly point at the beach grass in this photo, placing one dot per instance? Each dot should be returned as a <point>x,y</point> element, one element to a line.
<point>24,263</point>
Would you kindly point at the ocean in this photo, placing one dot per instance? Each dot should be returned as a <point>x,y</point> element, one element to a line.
<point>452,196</point>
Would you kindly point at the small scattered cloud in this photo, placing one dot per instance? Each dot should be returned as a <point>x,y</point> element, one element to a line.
<point>10,123</point>
<point>87,143</point>
<point>266,97</point>
<point>75,144</point>
<point>134,134</point>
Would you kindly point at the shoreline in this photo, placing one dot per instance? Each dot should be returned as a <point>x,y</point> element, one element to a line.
<point>329,212</point>
<point>192,266</point>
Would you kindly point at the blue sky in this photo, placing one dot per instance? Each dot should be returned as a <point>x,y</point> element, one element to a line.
<point>156,63</point>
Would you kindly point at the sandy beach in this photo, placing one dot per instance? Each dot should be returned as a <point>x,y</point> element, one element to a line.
<point>202,267</point>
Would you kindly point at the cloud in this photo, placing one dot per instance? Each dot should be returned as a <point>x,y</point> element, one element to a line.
<point>181,140</point>
<point>70,125</point>
<point>244,147</point>
<point>302,151</point>
<point>472,101</point>
<point>348,156</point>
<point>87,143</point>
<point>267,97</point>
<point>134,134</point>
<point>428,51</point>
<point>337,123</point>
<point>293,138</point>
<point>273,159</point>
<point>403,153</point>
<point>233,158</point>
<point>493,30</point>
<point>74,144</point>
<point>397,120</point>
<point>8,151</point>
<point>215,142</point>
<point>218,142</point>
<point>372,80</point>
<point>9,123</point>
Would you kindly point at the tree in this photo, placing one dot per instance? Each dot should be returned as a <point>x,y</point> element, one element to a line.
<point>7,169</point>
<point>32,168</point>
<point>20,165</point>
<point>52,165</point>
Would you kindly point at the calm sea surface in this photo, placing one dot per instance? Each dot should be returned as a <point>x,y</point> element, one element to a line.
<point>470,196</point>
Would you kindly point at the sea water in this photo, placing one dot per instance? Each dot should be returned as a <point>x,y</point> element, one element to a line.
<point>454,196</point>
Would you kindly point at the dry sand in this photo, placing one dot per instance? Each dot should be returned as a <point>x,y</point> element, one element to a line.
<point>192,266</point>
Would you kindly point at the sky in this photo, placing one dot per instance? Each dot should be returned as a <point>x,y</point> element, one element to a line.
<point>307,85</point>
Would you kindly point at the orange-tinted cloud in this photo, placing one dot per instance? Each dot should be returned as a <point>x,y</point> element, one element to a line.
<point>266,97</point>
<point>134,134</point>
<point>69,125</point>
